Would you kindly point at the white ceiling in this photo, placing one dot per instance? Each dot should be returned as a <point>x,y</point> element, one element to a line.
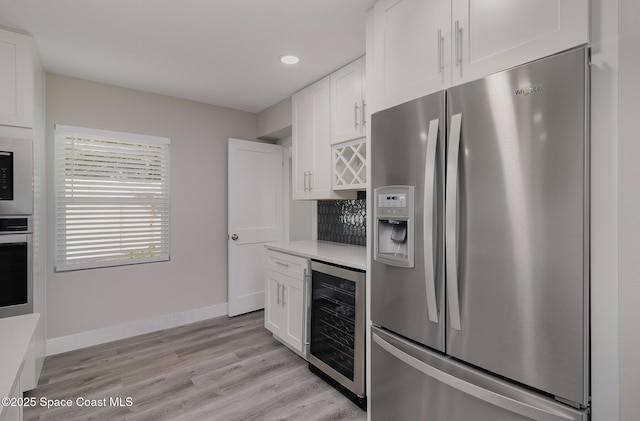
<point>221,52</point>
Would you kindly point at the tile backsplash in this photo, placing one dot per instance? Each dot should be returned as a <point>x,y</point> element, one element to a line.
<point>343,221</point>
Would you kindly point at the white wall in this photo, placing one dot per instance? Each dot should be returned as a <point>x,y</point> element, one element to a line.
<point>196,276</point>
<point>604,210</point>
<point>629,209</point>
<point>275,122</point>
<point>615,187</point>
<point>39,222</point>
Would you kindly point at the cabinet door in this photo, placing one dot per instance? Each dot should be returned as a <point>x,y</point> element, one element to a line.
<point>302,139</point>
<point>293,317</point>
<point>312,143</point>
<point>492,36</point>
<point>411,46</point>
<point>16,79</point>
<point>285,309</point>
<point>347,102</point>
<point>320,179</point>
<point>273,302</point>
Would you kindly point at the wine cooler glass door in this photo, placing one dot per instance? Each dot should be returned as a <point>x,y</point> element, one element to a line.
<point>337,328</point>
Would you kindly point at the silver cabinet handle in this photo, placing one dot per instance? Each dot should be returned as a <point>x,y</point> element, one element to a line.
<point>283,288</point>
<point>355,114</point>
<point>524,409</point>
<point>429,176</point>
<point>306,176</point>
<point>458,30</point>
<point>234,237</point>
<point>440,48</point>
<point>278,297</point>
<point>451,230</point>
<point>282,264</point>
<point>310,180</point>
<point>364,120</point>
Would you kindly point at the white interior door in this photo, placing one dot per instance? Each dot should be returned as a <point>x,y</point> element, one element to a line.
<point>255,218</point>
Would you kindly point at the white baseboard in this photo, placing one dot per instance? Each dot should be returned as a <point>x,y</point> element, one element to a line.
<point>113,333</point>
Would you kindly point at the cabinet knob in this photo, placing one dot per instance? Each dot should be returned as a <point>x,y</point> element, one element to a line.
<point>234,237</point>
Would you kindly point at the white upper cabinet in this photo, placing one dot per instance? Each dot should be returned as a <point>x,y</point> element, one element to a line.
<point>422,46</point>
<point>303,142</point>
<point>16,79</point>
<point>411,42</point>
<point>347,102</point>
<point>497,35</point>
<point>311,138</point>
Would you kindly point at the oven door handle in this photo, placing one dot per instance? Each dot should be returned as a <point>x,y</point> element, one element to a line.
<point>6,239</point>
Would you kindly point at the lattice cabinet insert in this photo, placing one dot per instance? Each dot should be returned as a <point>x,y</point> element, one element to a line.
<point>350,165</point>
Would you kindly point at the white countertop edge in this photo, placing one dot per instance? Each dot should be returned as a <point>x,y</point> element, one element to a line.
<point>347,255</point>
<point>16,333</point>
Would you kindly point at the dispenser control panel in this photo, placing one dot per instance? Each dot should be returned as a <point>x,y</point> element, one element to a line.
<point>393,204</point>
<point>392,201</point>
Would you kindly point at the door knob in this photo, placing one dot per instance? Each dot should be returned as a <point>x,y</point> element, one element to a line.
<point>234,237</point>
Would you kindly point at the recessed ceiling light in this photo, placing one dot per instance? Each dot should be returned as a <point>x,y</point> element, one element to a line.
<point>289,59</point>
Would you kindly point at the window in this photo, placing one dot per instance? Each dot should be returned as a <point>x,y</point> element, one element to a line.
<point>112,198</point>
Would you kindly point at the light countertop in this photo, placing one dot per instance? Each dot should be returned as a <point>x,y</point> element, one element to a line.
<point>337,253</point>
<point>16,333</point>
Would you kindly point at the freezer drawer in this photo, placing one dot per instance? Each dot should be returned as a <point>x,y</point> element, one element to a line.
<point>412,383</point>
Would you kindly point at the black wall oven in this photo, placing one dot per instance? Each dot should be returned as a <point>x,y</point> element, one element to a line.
<point>16,262</point>
<point>337,328</point>
<point>16,238</point>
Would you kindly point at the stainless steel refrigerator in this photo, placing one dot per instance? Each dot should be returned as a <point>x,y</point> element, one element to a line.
<point>480,265</point>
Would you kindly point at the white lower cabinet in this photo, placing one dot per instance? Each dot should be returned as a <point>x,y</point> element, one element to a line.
<point>285,300</point>
<point>17,335</point>
<point>14,412</point>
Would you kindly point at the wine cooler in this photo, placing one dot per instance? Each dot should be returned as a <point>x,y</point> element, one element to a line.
<point>337,329</point>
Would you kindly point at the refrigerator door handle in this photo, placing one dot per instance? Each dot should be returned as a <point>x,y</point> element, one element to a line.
<point>505,402</point>
<point>451,241</point>
<point>429,176</point>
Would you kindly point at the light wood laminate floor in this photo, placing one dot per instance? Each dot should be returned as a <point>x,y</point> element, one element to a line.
<point>219,369</point>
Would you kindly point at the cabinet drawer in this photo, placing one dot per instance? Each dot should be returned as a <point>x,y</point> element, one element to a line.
<point>287,264</point>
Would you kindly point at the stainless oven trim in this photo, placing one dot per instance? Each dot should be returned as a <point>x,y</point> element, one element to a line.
<point>27,308</point>
<point>28,220</point>
<point>307,311</point>
<point>357,386</point>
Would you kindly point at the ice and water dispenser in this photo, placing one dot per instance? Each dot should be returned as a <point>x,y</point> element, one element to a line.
<point>394,225</point>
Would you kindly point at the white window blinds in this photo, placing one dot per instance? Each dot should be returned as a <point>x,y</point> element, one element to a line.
<point>112,198</point>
